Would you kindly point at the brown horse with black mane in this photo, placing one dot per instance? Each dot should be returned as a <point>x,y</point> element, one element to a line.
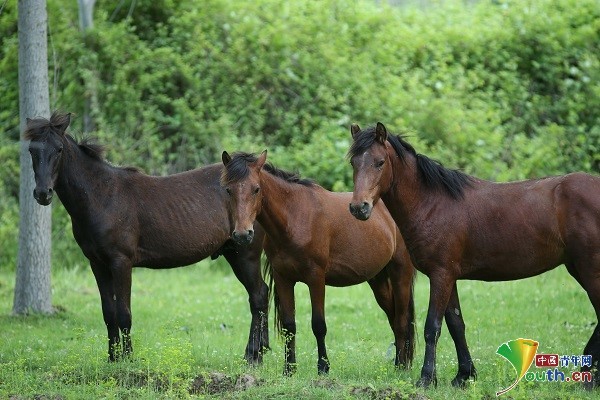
<point>460,227</point>
<point>311,239</point>
<point>123,218</point>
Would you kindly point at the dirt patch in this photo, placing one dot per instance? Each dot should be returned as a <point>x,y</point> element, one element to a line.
<point>326,383</point>
<point>140,379</point>
<point>216,383</point>
<point>385,394</point>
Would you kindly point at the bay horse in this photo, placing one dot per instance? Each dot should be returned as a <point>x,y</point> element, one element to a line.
<point>457,226</point>
<point>122,218</point>
<point>308,239</point>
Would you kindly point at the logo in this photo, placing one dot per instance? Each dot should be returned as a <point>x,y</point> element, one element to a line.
<point>520,353</point>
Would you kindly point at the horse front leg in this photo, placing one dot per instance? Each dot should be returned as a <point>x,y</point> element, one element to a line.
<point>104,280</point>
<point>245,264</point>
<point>121,271</point>
<point>440,288</point>
<point>285,312</point>
<point>319,327</point>
<point>456,327</point>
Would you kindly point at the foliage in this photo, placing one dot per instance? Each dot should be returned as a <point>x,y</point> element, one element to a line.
<point>502,89</point>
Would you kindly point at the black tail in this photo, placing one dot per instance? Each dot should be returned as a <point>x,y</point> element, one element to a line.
<point>268,274</point>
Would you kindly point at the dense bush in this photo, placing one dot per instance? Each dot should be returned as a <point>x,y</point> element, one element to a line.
<point>503,89</point>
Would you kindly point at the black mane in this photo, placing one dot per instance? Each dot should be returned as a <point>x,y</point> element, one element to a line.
<point>237,169</point>
<point>431,172</point>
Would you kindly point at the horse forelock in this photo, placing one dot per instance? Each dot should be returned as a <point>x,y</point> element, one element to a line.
<point>238,169</point>
<point>39,127</point>
<point>363,141</point>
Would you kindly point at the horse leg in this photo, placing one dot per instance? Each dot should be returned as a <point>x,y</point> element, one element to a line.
<point>109,309</point>
<point>456,326</point>
<point>402,274</point>
<point>319,327</point>
<point>382,290</point>
<point>245,263</point>
<point>286,313</point>
<point>121,272</point>
<point>440,289</point>
<point>591,284</point>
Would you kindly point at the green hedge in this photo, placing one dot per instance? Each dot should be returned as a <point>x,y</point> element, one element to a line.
<point>503,89</point>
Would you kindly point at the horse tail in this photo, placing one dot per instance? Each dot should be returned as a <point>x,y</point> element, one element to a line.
<point>268,274</point>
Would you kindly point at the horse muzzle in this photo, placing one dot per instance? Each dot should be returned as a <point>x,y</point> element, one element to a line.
<point>243,238</point>
<point>361,211</point>
<point>43,197</point>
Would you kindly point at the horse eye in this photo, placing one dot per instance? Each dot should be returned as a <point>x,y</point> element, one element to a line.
<point>59,150</point>
<point>228,191</point>
<point>379,163</point>
<point>256,190</point>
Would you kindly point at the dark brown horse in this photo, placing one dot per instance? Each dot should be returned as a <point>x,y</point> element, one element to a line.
<point>123,218</point>
<point>460,227</point>
<point>311,239</point>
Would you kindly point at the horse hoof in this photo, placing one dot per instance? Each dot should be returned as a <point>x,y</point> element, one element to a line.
<point>254,361</point>
<point>289,370</point>
<point>426,382</point>
<point>322,367</point>
<point>459,382</point>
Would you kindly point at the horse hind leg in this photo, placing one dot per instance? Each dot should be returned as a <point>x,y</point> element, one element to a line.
<point>590,280</point>
<point>382,290</point>
<point>319,326</point>
<point>245,263</point>
<point>456,327</point>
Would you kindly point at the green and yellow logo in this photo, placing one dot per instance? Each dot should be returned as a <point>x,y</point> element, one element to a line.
<point>520,353</point>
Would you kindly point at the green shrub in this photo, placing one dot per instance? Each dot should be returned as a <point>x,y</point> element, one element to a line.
<point>504,89</point>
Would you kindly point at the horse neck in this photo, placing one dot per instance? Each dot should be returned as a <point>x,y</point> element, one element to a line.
<point>276,208</point>
<point>79,178</point>
<point>405,194</point>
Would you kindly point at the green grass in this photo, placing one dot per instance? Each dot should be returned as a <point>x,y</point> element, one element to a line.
<point>190,322</point>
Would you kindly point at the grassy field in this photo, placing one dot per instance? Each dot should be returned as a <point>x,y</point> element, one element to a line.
<point>190,327</point>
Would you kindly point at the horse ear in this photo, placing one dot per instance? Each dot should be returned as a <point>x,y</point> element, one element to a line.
<point>354,129</point>
<point>64,124</point>
<point>381,133</point>
<point>226,158</point>
<point>261,160</point>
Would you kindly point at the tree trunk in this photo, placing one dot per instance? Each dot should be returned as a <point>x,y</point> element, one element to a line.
<point>32,287</point>
<point>86,21</point>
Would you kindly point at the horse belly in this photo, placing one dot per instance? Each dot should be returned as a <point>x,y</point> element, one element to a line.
<point>176,251</point>
<point>513,267</point>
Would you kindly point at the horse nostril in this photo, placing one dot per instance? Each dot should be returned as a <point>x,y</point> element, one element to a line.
<point>50,190</point>
<point>365,205</point>
<point>234,235</point>
<point>250,232</point>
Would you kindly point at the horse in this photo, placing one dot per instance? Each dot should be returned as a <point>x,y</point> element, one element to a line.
<point>309,240</point>
<point>123,218</point>
<point>457,226</point>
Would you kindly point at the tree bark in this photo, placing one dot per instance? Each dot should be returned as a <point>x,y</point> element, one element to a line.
<point>86,21</point>
<point>32,287</point>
